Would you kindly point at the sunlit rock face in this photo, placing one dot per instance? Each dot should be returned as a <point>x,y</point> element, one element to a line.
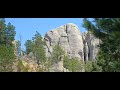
<point>83,46</point>
<point>69,37</point>
<point>90,46</point>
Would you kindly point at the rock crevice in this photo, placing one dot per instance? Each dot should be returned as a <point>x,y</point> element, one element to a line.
<point>76,44</point>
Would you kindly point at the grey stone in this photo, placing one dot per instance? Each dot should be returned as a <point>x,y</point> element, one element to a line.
<point>90,46</point>
<point>69,37</point>
<point>83,46</point>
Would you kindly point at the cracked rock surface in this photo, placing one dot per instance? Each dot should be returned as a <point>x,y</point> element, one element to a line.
<point>75,44</point>
<point>69,37</point>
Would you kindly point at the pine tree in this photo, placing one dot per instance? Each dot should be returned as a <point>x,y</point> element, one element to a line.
<point>7,56</point>
<point>91,66</point>
<point>29,46</point>
<point>38,49</point>
<point>57,54</point>
<point>108,31</point>
<point>9,34</point>
<point>2,31</point>
<point>73,64</point>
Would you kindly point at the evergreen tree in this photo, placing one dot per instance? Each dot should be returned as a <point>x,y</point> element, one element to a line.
<point>108,31</point>
<point>9,34</point>
<point>57,54</point>
<point>38,49</point>
<point>7,56</point>
<point>66,62</point>
<point>2,31</point>
<point>73,64</point>
<point>91,66</point>
<point>29,46</point>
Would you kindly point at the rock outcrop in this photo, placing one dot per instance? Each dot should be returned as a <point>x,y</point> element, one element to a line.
<point>69,37</point>
<point>84,46</point>
<point>90,46</point>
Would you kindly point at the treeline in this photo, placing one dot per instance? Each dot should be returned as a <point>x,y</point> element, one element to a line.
<point>36,46</point>
<point>107,60</point>
<point>7,56</point>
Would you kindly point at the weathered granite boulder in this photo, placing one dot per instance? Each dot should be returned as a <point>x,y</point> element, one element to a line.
<point>84,46</point>
<point>69,37</point>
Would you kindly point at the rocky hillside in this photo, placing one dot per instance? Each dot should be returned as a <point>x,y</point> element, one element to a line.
<point>83,46</point>
<point>76,44</point>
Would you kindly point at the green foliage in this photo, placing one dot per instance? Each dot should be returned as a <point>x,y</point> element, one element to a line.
<point>91,66</point>
<point>36,46</point>
<point>21,67</point>
<point>39,54</point>
<point>48,64</point>
<point>9,34</point>
<point>96,67</point>
<point>2,31</point>
<point>7,58</point>
<point>57,54</point>
<point>66,62</point>
<point>38,49</point>
<point>26,68</point>
<point>108,31</point>
<point>29,46</point>
<point>73,64</point>
<point>37,39</point>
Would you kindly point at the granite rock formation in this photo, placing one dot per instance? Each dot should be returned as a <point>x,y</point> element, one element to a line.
<point>83,46</point>
<point>69,37</point>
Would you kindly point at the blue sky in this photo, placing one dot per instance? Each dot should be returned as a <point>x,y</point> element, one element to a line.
<point>27,27</point>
